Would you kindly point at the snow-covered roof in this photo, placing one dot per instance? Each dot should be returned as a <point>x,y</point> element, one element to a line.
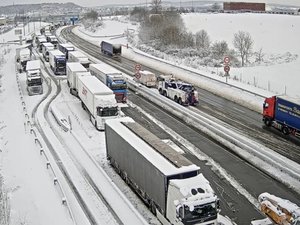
<point>76,66</point>
<point>47,44</point>
<point>104,68</point>
<point>57,53</point>
<point>290,99</point>
<point>67,46</point>
<point>156,159</point>
<point>95,86</point>
<point>33,65</point>
<point>108,100</point>
<point>77,54</point>
<point>146,72</point>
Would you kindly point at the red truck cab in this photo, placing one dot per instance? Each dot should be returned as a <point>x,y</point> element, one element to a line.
<point>269,110</point>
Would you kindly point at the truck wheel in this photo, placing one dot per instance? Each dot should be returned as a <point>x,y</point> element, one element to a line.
<point>268,122</point>
<point>82,105</point>
<point>153,208</point>
<point>180,101</point>
<point>68,83</point>
<point>165,93</point>
<point>160,91</point>
<point>175,98</point>
<point>285,131</point>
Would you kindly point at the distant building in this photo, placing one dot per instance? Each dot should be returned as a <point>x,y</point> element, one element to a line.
<point>3,21</point>
<point>244,6</point>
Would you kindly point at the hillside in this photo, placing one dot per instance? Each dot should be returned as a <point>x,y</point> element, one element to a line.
<point>44,7</point>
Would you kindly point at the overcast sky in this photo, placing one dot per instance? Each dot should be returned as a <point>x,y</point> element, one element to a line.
<point>88,3</point>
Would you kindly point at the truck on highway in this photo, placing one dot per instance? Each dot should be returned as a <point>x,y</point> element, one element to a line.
<point>41,39</point>
<point>22,57</point>
<point>46,47</point>
<point>180,92</point>
<point>168,183</point>
<point>111,49</point>
<point>33,78</point>
<point>66,48</point>
<point>77,56</point>
<point>283,113</point>
<point>57,61</point>
<point>98,100</point>
<point>111,77</point>
<point>146,78</point>
<point>73,68</point>
<point>53,40</point>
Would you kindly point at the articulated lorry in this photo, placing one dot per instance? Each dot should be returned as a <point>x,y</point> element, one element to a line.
<point>77,56</point>
<point>57,61</point>
<point>46,47</point>
<point>73,69</point>
<point>283,113</point>
<point>22,56</point>
<point>66,48</point>
<point>34,80</point>
<point>111,77</point>
<point>110,48</point>
<point>168,183</point>
<point>98,100</point>
<point>180,92</point>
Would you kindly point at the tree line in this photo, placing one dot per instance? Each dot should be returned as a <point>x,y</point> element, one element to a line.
<point>166,31</point>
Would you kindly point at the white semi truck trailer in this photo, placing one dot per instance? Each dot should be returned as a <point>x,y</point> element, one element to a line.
<point>98,100</point>
<point>73,68</point>
<point>169,184</point>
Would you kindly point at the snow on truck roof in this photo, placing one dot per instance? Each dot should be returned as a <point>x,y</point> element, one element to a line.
<point>76,66</point>
<point>105,68</point>
<point>33,65</point>
<point>187,184</point>
<point>77,54</point>
<point>56,52</point>
<point>290,99</point>
<point>47,44</point>
<point>156,158</point>
<point>146,72</point>
<point>95,86</point>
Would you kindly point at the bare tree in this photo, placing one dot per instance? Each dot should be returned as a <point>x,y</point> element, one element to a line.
<point>244,44</point>
<point>202,39</point>
<point>156,6</point>
<point>219,49</point>
<point>216,7</point>
<point>259,56</point>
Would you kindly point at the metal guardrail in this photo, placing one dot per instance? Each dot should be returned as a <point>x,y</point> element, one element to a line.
<point>199,74</point>
<point>37,141</point>
<point>228,137</point>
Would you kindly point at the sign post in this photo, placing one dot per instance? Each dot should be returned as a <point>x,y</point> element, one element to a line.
<point>226,67</point>
<point>137,68</point>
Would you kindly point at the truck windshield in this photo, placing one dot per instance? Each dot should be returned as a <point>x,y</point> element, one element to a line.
<point>107,111</point>
<point>33,82</point>
<point>200,213</point>
<point>118,85</point>
<point>186,87</point>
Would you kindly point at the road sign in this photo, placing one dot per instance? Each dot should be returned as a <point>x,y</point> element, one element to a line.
<point>226,60</point>
<point>137,75</point>
<point>137,67</point>
<point>226,68</point>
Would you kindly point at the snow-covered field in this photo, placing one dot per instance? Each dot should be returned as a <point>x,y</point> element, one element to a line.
<point>276,35</point>
<point>26,180</point>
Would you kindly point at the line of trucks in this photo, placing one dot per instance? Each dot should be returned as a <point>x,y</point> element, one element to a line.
<point>97,98</point>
